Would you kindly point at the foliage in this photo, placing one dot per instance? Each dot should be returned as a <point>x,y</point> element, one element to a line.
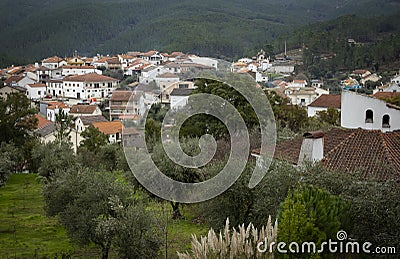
<point>63,127</point>
<point>16,119</point>
<point>244,205</point>
<point>8,161</point>
<point>93,139</point>
<point>175,171</point>
<point>373,205</point>
<point>288,116</point>
<point>52,157</point>
<point>243,243</point>
<point>330,116</point>
<point>311,214</point>
<point>109,208</point>
<point>394,100</point>
<point>26,232</point>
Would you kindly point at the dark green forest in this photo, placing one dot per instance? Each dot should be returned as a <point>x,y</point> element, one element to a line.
<point>31,30</point>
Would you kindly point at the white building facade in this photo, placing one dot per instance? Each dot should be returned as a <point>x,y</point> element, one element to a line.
<point>360,111</point>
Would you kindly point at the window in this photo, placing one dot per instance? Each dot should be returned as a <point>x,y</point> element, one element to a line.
<point>39,92</point>
<point>369,116</point>
<point>386,121</point>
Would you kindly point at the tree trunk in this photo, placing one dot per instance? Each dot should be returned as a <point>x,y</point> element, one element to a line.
<point>104,250</point>
<point>176,214</point>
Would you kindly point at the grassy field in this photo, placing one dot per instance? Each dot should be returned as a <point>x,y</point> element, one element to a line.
<point>26,232</point>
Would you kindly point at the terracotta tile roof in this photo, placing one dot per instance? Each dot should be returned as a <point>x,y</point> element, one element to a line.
<point>13,79</point>
<point>83,109</point>
<point>327,101</point>
<point>36,85</point>
<point>53,105</point>
<point>109,127</point>
<point>167,75</point>
<point>89,120</point>
<point>92,77</point>
<point>385,95</point>
<point>375,155</point>
<point>113,60</point>
<point>54,59</point>
<point>359,71</point>
<point>121,96</point>
<point>77,67</point>
<point>150,53</point>
<point>42,122</point>
<point>125,56</point>
<point>300,81</point>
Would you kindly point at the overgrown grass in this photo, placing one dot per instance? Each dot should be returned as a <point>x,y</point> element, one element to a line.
<point>26,232</point>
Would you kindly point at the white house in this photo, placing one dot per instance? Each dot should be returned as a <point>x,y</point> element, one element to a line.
<point>166,79</point>
<point>53,62</point>
<point>83,122</point>
<point>88,86</point>
<point>361,111</point>
<point>79,70</point>
<point>113,130</point>
<point>396,80</point>
<point>55,87</point>
<point>154,57</point>
<point>22,81</point>
<point>324,102</point>
<point>85,110</point>
<point>35,91</point>
<point>51,109</point>
<point>179,97</point>
<point>205,61</point>
<point>391,88</point>
<point>165,94</point>
<point>303,96</point>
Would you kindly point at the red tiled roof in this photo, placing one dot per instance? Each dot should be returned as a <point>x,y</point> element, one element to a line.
<point>109,127</point>
<point>375,155</point>
<point>92,77</point>
<point>13,79</point>
<point>121,96</point>
<point>54,59</point>
<point>52,105</point>
<point>327,101</point>
<point>83,109</point>
<point>78,67</point>
<point>167,75</point>
<point>385,95</point>
<point>42,122</point>
<point>37,85</point>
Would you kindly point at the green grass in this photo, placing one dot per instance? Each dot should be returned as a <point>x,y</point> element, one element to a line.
<point>26,232</point>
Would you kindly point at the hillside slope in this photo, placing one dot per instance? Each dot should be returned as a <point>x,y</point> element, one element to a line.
<point>225,28</point>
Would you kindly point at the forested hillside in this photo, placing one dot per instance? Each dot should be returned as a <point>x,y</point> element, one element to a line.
<point>347,43</point>
<point>35,29</point>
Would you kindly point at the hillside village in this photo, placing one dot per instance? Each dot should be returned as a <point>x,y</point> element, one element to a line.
<point>354,134</point>
<point>78,86</point>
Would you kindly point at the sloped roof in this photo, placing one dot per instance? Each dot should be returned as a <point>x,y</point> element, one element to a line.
<point>36,85</point>
<point>89,120</point>
<point>41,121</point>
<point>83,109</point>
<point>78,67</point>
<point>91,77</point>
<point>52,105</point>
<point>13,79</point>
<point>122,96</point>
<point>109,127</point>
<point>53,59</point>
<point>168,75</point>
<point>372,153</point>
<point>181,92</point>
<point>386,95</point>
<point>327,101</point>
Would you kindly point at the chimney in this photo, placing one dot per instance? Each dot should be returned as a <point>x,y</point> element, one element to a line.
<point>312,148</point>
